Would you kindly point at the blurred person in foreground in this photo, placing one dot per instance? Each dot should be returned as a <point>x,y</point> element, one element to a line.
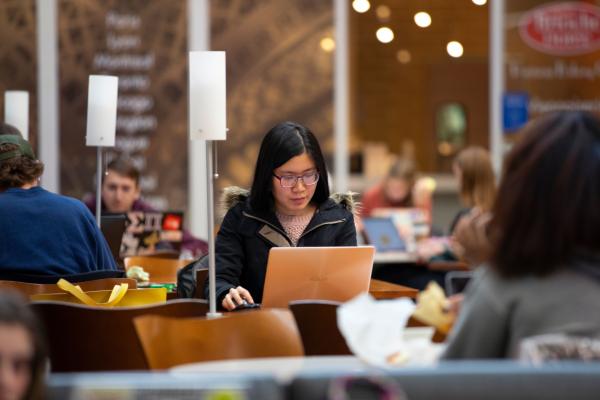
<point>121,193</point>
<point>22,350</point>
<point>541,246</point>
<point>42,233</point>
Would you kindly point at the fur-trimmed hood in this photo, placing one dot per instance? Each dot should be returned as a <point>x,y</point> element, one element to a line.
<point>233,195</point>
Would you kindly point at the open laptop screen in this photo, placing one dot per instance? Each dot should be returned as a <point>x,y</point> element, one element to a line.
<point>113,227</point>
<point>383,234</point>
<point>323,273</point>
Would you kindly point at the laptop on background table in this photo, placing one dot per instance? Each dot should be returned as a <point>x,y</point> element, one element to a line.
<point>316,273</point>
<point>113,227</point>
<point>412,222</point>
<point>383,234</point>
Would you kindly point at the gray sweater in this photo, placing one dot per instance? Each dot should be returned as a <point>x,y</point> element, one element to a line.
<point>498,313</point>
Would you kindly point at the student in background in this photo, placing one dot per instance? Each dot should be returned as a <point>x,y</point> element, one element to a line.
<point>399,189</point>
<point>121,193</point>
<point>43,233</point>
<point>22,350</point>
<point>289,204</point>
<point>473,171</point>
<point>542,243</point>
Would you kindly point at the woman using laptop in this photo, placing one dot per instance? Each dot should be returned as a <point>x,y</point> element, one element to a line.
<point>289,204</point>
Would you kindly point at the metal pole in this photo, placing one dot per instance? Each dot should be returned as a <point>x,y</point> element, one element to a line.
<point>496,11</point>
<point>98,184</point>
<point>48,104</point>
<point>212,296</point>
<point>340,95</point>
<point>199,39</point>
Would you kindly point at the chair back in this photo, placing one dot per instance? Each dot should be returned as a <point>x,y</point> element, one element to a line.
<point>83,338</point>
<point>251,334</point>
<point>317,323</point>
<point>29,289</point>
<point>161,270</point>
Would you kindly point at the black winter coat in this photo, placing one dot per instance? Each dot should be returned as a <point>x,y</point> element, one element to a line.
<point>243,242</point>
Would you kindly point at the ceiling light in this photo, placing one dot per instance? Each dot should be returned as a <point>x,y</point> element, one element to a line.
<point>361,6</point>
<point>422,19</point>
<point>403,56</point>
<point>454,49</point>
<point>479,2</point>
<point>327,44</point>
<point>385,34</point>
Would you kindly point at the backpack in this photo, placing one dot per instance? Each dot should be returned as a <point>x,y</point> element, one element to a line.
<point>186,279</point>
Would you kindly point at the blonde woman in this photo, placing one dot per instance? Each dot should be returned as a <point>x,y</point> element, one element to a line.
<point>473,170</point>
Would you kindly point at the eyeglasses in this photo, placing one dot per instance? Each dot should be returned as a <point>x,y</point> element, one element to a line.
<point>289,181</point>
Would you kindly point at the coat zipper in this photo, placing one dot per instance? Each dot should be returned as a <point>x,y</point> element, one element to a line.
<point>320,225</point>
<point>270,224</point>
<point>285,234</point>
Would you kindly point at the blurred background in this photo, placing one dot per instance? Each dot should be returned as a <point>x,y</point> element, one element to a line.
<point>417,81</point>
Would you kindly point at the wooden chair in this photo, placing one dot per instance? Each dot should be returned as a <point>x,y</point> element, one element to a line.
<point>83,338</point>
<point>317,323</point>
<point>161,270</point>
<point>172,254</point>
<point>260,333</point>
<point>29,289</point>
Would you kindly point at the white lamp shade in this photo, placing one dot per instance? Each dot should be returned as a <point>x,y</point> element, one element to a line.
<point>207,95</point>
<point>16,110</point>
<point>102,111</point>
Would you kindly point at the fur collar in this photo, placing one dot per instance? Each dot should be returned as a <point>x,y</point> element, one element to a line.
<point>233,195</point>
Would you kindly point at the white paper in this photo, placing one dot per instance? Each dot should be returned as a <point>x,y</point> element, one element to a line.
<point>102,110</point>
<point>16,110</point>
<point>375,329</point>
<point>208,95</point>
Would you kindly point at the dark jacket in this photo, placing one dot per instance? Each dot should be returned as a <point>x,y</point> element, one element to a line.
<point>243,242</point>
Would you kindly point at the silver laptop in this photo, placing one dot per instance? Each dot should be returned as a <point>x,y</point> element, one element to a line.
<point>310,273</point>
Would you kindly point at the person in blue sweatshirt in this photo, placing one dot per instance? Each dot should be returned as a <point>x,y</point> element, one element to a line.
<point>42,233</point>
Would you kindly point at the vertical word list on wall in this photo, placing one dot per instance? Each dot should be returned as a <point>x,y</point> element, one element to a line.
<point>126,57</point>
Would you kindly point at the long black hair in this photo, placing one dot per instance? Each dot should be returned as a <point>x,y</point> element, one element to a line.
<point>283,142</point>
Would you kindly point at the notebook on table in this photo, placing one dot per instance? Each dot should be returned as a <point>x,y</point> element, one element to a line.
<point>316,273</point>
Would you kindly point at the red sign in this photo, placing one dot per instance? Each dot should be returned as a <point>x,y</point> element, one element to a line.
<point>562,28</point>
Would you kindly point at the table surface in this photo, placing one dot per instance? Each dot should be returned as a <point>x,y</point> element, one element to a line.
<point>387,290</point>
<point>394,257</point>
<point>284,369</point>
